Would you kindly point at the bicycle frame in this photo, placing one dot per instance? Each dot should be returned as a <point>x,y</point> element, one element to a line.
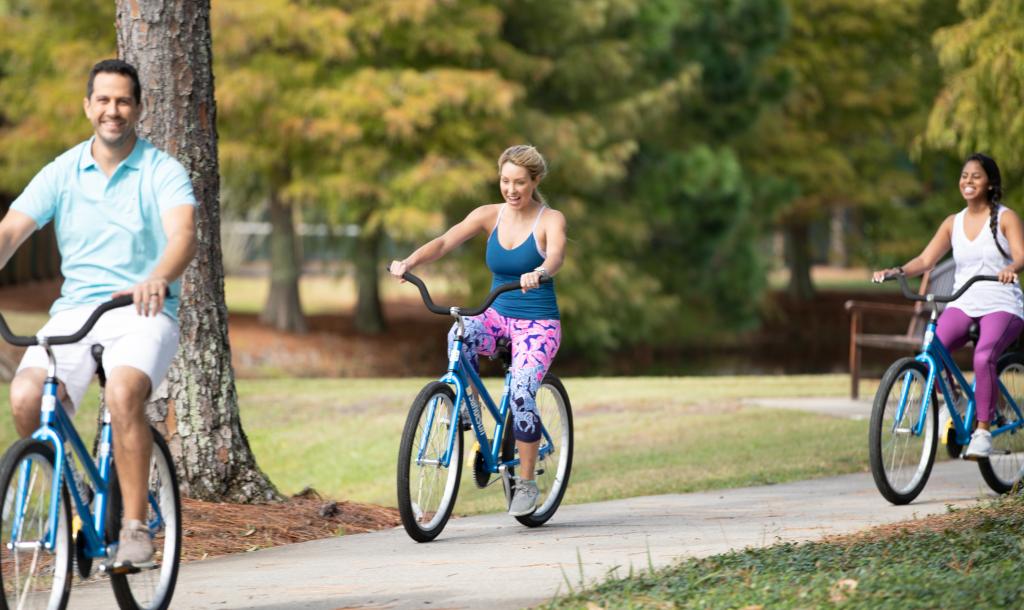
<point>56,429</point>
<point>460,372</point>
<point>937,358</point>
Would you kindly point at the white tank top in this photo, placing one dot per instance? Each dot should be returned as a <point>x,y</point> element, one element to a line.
<point>981,257</point>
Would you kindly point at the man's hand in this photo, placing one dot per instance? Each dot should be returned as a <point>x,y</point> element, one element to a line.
<point>148,296</point>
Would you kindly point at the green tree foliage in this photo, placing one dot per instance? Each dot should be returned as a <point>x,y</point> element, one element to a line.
<point>43,61</point>
<point>979,105</point>
<point>371,113</point>
<point>689,179</point>
<point>859,73</point>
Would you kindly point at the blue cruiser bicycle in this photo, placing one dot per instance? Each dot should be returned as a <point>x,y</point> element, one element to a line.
<point>431,452</point>
<point>39,483</point>
<point>904,428</point>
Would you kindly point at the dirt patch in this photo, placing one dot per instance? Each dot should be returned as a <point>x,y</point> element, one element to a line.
<point>412,344</point>
<point>214,529</point>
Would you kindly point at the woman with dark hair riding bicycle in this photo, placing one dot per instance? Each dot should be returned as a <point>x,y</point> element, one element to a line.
<point>987,239</point>
<point>526,244</point>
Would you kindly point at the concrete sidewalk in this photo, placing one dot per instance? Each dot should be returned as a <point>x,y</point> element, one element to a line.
<point>493,562</point>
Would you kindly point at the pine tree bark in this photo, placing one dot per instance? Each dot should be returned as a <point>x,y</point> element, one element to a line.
<point>196,409</point>
<point>369,312</point>
<point>283,309</point>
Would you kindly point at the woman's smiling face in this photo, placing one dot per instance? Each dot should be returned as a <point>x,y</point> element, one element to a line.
<point>974,181</point>
<point>516,185</point>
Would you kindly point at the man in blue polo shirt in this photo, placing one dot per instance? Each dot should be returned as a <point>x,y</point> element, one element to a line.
<point>124,215</point>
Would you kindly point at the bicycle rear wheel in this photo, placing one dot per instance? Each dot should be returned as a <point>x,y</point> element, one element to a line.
<point>32,576</point>
<point>552,471</point>
<point>901,460</point>
<point>1004,467</point>
<point>151,589</point>
<point>427,489</point>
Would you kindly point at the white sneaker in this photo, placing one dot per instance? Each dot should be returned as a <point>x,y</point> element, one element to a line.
<point>134,548</point>
<point>981,445</point>
<point>524,500</point>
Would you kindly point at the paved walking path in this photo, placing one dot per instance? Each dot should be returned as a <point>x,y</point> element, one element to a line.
<point>492,562</point>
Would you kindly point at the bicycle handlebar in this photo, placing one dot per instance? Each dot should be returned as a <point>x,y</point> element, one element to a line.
<point>931,298</point>
<point>23,341</point>
<point>445,311</point>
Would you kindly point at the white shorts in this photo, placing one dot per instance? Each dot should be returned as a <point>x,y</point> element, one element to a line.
<point>128,339</point>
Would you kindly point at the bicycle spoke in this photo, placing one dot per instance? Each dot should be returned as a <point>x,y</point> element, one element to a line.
<point>426,487</point>
<point>33,575</point>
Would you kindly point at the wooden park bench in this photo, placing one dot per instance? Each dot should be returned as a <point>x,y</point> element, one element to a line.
<point>938,281</point>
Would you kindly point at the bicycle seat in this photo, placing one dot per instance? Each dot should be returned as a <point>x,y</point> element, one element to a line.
<point>97,355</point>
<point>503,352</point>
<point>974,332</point>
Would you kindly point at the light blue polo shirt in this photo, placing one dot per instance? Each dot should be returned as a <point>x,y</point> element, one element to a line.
<point>109,230</point>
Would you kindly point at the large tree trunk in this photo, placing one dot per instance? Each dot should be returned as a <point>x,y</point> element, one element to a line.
<point>838,253</point>
<point>283,309</point>
<point>168,41</point>
<point>798,259</point>
<point>369,314</point>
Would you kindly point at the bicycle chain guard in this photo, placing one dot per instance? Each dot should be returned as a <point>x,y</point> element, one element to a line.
<point>481,476</point>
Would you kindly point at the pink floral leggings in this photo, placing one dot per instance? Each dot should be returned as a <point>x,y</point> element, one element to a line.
<point>534,345</point>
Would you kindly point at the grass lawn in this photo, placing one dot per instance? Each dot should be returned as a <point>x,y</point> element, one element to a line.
<point>634,436</point>
<point>969,558</point>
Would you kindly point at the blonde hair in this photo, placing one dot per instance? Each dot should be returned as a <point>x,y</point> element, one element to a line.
<point>530,159</point>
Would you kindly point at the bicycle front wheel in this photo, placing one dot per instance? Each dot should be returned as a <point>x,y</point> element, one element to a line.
<point>426,488</point>
<point>901,445</point>
<point>553,469</point>
<point>32,575</point>
<point>151,589</point>
<point>1004,467</point>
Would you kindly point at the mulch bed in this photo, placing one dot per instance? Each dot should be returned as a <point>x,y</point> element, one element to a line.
<point>212,529</point>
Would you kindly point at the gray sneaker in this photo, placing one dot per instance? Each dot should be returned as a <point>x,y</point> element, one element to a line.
<point>524,500</point>
<point>981,445</point>
<point>134,548</point>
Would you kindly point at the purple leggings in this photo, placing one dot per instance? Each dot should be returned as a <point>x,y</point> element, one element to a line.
<point>534,344</point>
<point>997,332</point>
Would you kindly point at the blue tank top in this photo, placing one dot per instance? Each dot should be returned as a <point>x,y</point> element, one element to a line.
<point>507,265</point>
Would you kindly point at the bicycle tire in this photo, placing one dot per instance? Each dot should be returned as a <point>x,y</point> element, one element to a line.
<point>51,569</point>
<point>151,589</point>
<point>556,416</point>
<point>423,507</point>
<point>890,444</point>
<point>1004,468</point>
